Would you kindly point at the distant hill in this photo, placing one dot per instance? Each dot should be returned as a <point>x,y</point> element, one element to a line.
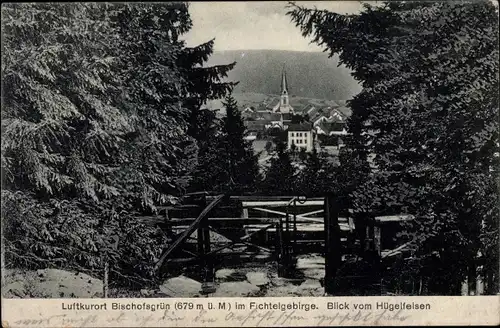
<point>309,74</point>
<point>253,99</point>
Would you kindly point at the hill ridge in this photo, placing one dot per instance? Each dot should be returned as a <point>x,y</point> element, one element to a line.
<point>309,74</point>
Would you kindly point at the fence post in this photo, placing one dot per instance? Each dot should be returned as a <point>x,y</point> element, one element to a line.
<point>333,256</point>
<point>377,239</point>
<point>204,245</point>
<point>281,249</point>
<point>295,247</point>
<point>204,248</point>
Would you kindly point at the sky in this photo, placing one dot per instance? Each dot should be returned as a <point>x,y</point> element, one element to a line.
<point>255,25</point>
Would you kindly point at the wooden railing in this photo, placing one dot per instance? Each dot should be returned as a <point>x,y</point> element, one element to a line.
<point>285,219</point>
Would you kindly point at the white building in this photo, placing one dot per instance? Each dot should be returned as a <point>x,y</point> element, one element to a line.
<point>301,135</point>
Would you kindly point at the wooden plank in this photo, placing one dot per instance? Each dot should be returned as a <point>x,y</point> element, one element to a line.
<point>174,221</point>
<point>250,198</point>
<point>305,227</point>
<point>280,203</point>
<point>312,241</point>
<point>397,249</point>
<point>313,212</point>
<point>237,257</point>
<point>394,218</point>
<point>351,224</point>
<point>178,207</point>
<point>242,220</point>
<point>198,193</point>
<point>161,219</point>
<point>240,240</point>
<point>284,214</point>
<point>188,231</point>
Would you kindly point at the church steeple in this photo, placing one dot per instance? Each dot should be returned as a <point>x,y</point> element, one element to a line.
<point>284,89</point>
<point>284,85</point>
<point>284,105</point>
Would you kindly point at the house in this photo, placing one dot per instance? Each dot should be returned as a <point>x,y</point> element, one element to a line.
<point>327,115</point>
<point>310,110</point>
<point>301,135</point>
<point>331,128</point>
<point>258,125</point>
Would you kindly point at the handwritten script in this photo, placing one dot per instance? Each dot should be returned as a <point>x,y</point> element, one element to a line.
<point>256,318</point>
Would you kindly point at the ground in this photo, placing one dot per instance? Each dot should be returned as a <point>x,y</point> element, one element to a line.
<point>245,281</point>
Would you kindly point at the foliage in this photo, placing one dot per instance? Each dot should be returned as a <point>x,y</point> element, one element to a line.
<point>318,176</point>
<point>280,177</point>
<point>428,112</point>
<point>94,125</point>
<point>269,146</point>
<point>227,162</point>
<point>242,164</point>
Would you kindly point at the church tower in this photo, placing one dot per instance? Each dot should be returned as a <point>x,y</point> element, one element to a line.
<point>284,105</point>
<point>284,89</point>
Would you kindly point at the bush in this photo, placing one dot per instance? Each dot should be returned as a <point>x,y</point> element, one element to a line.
<point>63,235</point>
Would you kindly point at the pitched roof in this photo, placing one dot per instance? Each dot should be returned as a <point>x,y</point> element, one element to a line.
<point>344,110</point>
<point>312,112</point>
<point>255,125</point>
<point>329,127</point>
<point>300,127</point>
<point>263,116</point>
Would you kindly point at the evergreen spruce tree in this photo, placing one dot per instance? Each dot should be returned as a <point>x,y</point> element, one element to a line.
<point>242,163</point>
<point>227,162</point>
<point>210,173</point>
<point>318,175</point>
<point>94,125</point>
<point>280,177</point>
<point>428,112</point>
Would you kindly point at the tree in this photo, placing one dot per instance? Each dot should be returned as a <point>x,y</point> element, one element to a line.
<point>318,176</point>
<point>60,133</point>
<point>227,162</point>
<point>94,130</point>
<point>428,112</point>
<point>243,165</point>
<point>280,177</point>
<point>269,146</point>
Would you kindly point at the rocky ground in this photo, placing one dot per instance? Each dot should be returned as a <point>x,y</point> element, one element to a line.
<point>245,281</point>
<point>50,283</point>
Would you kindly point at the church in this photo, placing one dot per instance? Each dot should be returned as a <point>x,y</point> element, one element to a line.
<point>284,106</point>
<point>278,116</point>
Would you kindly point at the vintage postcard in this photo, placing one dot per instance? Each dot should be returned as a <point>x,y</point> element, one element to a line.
<point>250,164</point>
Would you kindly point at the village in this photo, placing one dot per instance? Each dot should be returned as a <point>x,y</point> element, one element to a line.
<point>306,128</point>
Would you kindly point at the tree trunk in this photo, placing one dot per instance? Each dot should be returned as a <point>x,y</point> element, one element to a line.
<point>471,279</point>
<point>105,285</point>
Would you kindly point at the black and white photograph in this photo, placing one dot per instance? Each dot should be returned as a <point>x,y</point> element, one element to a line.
<point>250,149</point>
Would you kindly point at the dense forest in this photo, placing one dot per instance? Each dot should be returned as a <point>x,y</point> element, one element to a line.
<point>102,121</point>
<point>428,112</point>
